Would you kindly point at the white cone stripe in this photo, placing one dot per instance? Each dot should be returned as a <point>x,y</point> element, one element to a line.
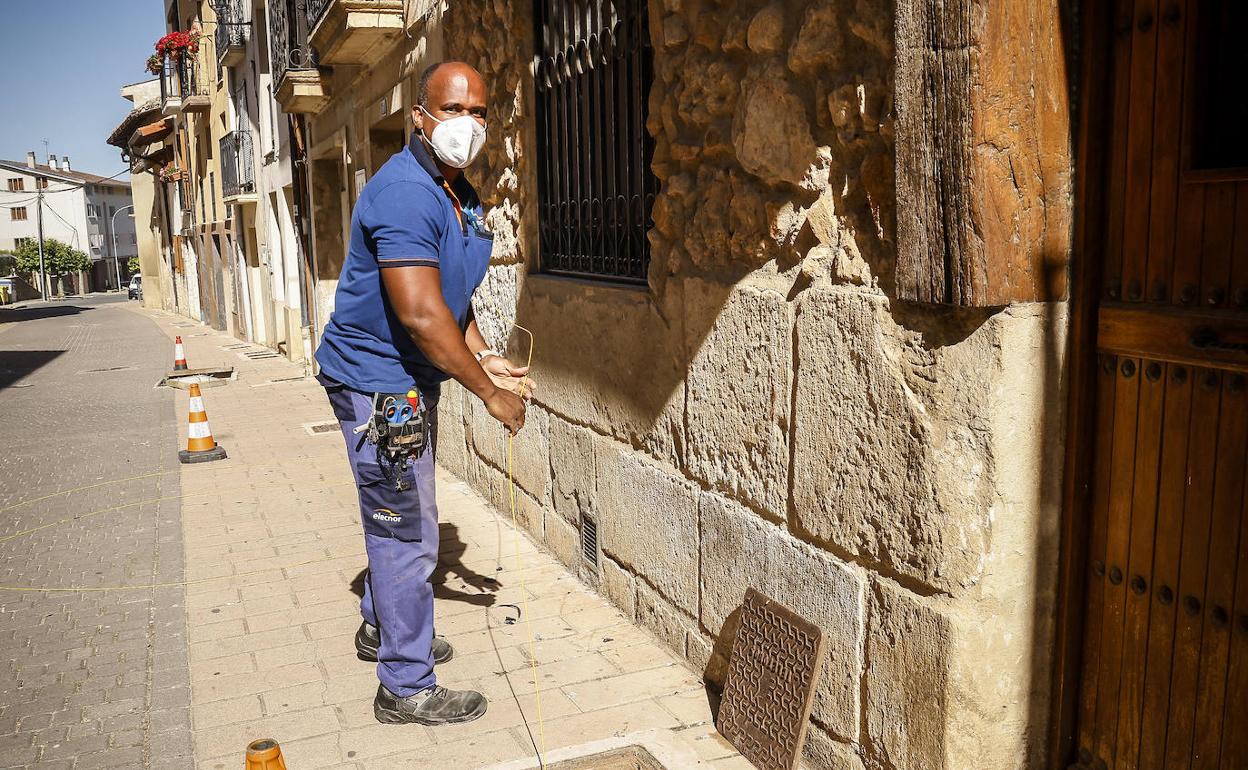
<point>197,404</point>
<point>198,430</point>
<point>177,351</point>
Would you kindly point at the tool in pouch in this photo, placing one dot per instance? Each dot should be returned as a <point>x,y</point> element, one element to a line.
<point>399,428</point>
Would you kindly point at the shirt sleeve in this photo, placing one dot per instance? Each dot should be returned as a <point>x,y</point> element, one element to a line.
<point>405,223</point>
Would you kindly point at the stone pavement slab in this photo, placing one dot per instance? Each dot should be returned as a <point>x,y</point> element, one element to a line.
<point>272,535</point>
<point>89,498</point>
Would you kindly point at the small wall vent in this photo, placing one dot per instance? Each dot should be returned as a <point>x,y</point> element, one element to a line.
<point>589,541</point>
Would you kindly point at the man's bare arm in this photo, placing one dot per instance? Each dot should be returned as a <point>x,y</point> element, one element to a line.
<point>415,293</point>
<point>472,335</point>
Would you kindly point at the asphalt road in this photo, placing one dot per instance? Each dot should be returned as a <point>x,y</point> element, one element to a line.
<point>88,461</point>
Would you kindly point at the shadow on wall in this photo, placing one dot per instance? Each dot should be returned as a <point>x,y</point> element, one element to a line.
<point>769,368</point>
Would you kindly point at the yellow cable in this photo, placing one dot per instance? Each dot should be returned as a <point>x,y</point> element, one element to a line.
<point>524,592</point>
<point>88,486</point>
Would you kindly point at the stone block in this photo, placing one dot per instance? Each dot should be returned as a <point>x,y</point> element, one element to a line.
<point>831,595</point>
<point>906,679</point>
<point>733,551</point>
<point>891,438</point>
<point>530,450</point>
<point>661,618</point>
<point>739,549</point>
<point>573,473</point>
<point>824,752</point>
<point>452,451</point>
<point>648,521</point>
<point>564,541</point>
<point>611,358</point>
<point>620,587</point>
<point>707,660</point>
<point>494,307</point>
<point>491,483</point>
<point>737,408</point>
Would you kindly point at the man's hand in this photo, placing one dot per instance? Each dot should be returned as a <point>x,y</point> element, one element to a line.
<point>507,408</point>
<point>507,375</point>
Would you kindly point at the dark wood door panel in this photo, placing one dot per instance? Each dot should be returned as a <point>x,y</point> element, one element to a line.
<point>1169,581</point>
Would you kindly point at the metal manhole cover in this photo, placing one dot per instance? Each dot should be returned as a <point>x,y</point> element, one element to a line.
<point>772,673</point>
<point>320,428</point>
<point>629,758</point>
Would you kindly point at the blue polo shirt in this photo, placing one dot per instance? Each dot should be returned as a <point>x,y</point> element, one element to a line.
<point>403,217</point>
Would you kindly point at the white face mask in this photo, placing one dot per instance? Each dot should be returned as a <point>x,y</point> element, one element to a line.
<point>456,141</point>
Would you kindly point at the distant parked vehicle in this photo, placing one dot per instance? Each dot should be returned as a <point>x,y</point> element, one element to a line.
<point>136,287</point>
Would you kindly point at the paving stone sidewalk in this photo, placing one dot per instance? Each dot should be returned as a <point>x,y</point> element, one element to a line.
<point>273,542</point>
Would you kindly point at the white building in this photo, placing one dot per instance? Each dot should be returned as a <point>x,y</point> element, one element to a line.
<point>79,209</point>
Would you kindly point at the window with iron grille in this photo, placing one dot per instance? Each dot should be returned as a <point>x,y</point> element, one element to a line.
<point>594,66</point>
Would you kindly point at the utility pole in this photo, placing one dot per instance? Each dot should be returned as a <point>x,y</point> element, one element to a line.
<point>43,276</point>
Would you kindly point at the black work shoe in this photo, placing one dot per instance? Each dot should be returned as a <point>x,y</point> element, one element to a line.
<point>367,640</point>
<point>435,706</point>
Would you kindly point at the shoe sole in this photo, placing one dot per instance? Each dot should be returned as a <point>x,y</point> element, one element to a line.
<point>391,717</point>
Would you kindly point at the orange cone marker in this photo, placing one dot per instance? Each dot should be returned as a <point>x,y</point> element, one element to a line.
<point>179,355</point>
<point>200,446</point>
<point>265,754</point>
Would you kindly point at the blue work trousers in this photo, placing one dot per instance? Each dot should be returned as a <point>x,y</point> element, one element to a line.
<point>401,538</point>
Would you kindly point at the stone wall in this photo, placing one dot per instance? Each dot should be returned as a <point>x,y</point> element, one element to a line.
<point>765,412</point>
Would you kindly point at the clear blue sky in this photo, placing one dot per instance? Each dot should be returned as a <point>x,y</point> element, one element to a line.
<point>64,62</point>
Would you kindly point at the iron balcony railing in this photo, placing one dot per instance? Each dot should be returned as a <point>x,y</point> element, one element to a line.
<point>595,188</point>
<point>238,166</point>
<point>231,26</point>
<point>316,9</point>
<point>181,77</point>
<point>288,38</point>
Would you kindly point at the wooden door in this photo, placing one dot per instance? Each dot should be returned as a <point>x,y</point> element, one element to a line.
<point>1164,681</point>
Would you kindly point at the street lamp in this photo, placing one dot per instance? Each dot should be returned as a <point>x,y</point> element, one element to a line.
<point>113,227</point>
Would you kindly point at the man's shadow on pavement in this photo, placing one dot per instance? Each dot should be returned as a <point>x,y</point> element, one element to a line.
<point>450,554</point>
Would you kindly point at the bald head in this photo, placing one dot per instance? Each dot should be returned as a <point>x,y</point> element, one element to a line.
<point>434,75</point>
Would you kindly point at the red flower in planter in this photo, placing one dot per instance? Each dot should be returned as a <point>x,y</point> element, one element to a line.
<point>175,44</point>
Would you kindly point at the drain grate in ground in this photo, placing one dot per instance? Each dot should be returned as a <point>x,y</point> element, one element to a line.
<point>629,758</point>
<point>235,346</point>
<point>109,369</point>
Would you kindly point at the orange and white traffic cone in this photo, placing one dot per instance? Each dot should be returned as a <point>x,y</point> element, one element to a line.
<point>179,355</point>
<point>200,446</point>
<point>265,754</point>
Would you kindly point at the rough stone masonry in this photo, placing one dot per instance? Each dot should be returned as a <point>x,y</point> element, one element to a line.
<point>767,412</point>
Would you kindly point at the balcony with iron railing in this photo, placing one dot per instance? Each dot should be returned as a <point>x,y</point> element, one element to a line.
<point>354,31</point>
<point>238,167</point>
<point>182,86</point>
<point>298,85</point>
<point>232,32</point>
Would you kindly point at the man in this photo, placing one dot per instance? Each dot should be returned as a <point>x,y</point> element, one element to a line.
<point>402,324</point>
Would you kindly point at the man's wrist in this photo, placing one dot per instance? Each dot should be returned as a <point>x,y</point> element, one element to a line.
<point>483,353</point>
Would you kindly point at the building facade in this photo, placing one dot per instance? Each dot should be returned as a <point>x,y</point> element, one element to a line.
<point>927,319</point>
<point>88,212</point>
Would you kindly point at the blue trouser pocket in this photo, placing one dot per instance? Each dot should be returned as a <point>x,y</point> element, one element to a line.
<point>385,510</point>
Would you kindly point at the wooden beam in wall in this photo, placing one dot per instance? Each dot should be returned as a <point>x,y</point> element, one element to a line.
<point>983,152</point>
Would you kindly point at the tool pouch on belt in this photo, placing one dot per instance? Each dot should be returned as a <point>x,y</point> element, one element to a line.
<point>399,430</point>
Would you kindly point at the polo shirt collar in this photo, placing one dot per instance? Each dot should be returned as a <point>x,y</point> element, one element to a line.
<point>418,151</point>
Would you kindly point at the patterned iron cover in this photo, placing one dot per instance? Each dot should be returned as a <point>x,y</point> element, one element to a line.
<point>772,673</point>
